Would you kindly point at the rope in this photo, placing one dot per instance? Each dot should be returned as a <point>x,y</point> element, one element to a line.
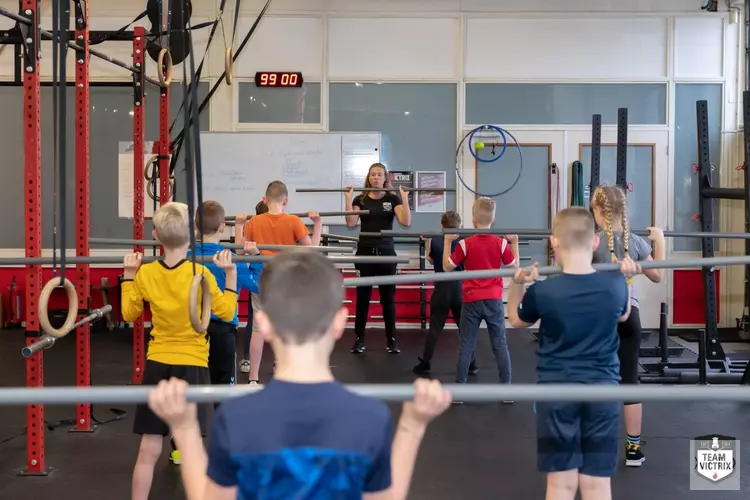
<point>177,143</point>
<point>503,133</point>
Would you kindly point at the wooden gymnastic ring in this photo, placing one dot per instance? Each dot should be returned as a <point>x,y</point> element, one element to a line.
<point>70,320</point>
<point>228,66</point>
<point>200,285</point>
<point>165,80</point>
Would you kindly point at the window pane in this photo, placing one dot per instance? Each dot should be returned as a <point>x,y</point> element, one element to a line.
<point>279,105</point>
<point>640,180</point>
<point>686,180</point>
<point>564,103</point>
<point>418,126</point>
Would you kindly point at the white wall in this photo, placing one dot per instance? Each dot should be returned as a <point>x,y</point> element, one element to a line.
<point>461,41</point>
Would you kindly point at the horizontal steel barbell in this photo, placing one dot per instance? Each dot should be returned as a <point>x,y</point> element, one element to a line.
<point>339,237</point>
<point>321,214</point>
<point>47,341</point>
<point>543,271</point>
<point>417,234</point>
<point>339,259</point>
<point>546,233</point>
<point>375,190</point>
<point>479,393</point>
<point>229,246</point>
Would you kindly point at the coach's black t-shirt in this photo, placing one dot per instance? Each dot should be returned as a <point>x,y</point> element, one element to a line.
<point>380,219</point>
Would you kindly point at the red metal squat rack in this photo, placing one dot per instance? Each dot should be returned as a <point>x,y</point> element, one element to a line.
<point>35,460</point>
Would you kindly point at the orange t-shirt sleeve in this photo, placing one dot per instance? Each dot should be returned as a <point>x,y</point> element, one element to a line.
<point>248,230</point>
<point>300,230</point>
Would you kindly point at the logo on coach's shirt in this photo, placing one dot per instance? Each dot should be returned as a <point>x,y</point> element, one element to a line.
<point>387,206</point>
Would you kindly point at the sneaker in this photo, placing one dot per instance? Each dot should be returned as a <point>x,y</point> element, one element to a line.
<point>175,457</point>
<point>392,346</point>
<point>423,368</point>
<point>633,455</point>
<point>245,366</point>
<point>473,368</point>
<point>359,346</point>
<point>252,382</point>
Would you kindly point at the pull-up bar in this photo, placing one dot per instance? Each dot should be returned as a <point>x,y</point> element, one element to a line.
<point>417,234</point>
<point>47,341</point>
<point>479,393</point>
<point>101,55</point>
<point>375,190</point>
<point>508,272</point>
<point>544,233</point>
<point>321,214</point>
<point>230,246</point>
<point>337,259</point>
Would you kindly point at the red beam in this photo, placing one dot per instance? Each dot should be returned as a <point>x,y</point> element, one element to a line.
<point>165,188</point>
<point>139,118</point>
<point>33,232</point>
<point>83,274</point>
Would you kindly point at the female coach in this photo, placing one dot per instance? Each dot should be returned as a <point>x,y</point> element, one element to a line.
<point>383,206</point>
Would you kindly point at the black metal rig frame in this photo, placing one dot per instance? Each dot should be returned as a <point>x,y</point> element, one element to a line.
<point>712,365</point>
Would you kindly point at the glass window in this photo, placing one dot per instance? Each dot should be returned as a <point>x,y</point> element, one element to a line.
<point>565,103</point>
<point>279,105</point>
<point>686,179</point>
<point>418,126</point>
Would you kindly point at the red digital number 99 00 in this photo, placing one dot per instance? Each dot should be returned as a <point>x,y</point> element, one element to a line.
<point>278,79</point>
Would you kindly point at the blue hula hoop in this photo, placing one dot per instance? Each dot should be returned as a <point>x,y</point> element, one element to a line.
<point>487,127</point>
<point>502,132</point>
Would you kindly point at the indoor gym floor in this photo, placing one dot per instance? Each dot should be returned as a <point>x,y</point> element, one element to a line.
<point>477,451</point>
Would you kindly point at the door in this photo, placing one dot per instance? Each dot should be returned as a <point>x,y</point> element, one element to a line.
<point>647,174</point>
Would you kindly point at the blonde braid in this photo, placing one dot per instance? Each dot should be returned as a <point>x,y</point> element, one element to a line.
<point>624,222</point>
<point>608,225</point>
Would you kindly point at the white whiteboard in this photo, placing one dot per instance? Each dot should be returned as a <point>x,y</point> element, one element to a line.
<point>238,166</point>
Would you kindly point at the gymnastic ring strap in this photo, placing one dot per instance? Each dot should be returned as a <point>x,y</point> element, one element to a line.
<point>200,285</point>
<point>165,80</point>
<point>44,297</point>
<point>228,66</point>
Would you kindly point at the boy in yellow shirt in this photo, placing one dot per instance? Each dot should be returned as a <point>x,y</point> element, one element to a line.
<point>175,349</point>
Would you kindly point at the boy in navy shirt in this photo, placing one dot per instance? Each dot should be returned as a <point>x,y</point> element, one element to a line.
<point>577,443</point>
<point>446,297</point>
<point>482,298</point>
<point>303,436</point>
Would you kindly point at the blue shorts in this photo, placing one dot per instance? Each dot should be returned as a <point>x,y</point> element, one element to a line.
<point>578,436</point>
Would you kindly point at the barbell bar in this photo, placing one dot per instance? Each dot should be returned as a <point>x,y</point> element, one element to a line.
<point>321,214</point>
<point>508,272</point>
<point>47,341</point>
<point>417,234</point>
<point>544,233</point>
<point>203,259</point>
<point>479,393</point>
<point>340,237</point>
<point>375,190</point>
<point>230,246</point>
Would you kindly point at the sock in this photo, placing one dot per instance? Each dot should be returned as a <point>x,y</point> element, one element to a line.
<point>634,440</point>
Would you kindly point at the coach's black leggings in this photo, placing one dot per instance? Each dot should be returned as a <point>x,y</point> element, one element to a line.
<point>387,292</point>
<point>630,348</point>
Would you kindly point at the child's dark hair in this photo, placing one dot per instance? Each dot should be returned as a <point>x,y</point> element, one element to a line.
<point>261,208</point>
<point>301,292</point>
<point>213,217</point>
<point>450,220</point>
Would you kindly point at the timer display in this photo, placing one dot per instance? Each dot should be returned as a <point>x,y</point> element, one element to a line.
<point>278,79</point>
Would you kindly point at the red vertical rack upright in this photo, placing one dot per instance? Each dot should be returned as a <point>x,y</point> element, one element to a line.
<point>165,189</point>
<point>33,231</point>
<point>83,275</point>
<point>139,118</point>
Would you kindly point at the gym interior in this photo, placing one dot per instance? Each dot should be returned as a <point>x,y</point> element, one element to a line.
<point>561,96</point>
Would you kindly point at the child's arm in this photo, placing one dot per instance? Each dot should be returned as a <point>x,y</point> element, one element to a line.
<point>132,296</point>
<point>522,310</point>
<point>656,235</point>
<point>455,259</point>
<point>302,235</point>
<point>428,250</point>
<point>224,304</point>
<point>430,400</point>
<point>248,275</point>
<point>628,268</point>
<point>511,256</point>
<point>240,228</point>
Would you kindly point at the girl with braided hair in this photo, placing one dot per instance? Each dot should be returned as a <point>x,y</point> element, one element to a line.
<point>616,243</point>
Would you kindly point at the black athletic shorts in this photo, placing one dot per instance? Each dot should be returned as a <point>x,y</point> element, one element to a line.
<point>146,422</point>
<point>630,348</point>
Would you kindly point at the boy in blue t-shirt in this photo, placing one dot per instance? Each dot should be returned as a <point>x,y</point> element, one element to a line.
<point>577,443</point>
<point>446,296</point>
<point>303,435</point>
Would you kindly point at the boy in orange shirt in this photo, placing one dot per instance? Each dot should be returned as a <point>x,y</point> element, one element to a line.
<point>273,228</point>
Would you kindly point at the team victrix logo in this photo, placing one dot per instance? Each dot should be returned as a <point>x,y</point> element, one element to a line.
<point>715,457</point>
<point>387,206</point>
